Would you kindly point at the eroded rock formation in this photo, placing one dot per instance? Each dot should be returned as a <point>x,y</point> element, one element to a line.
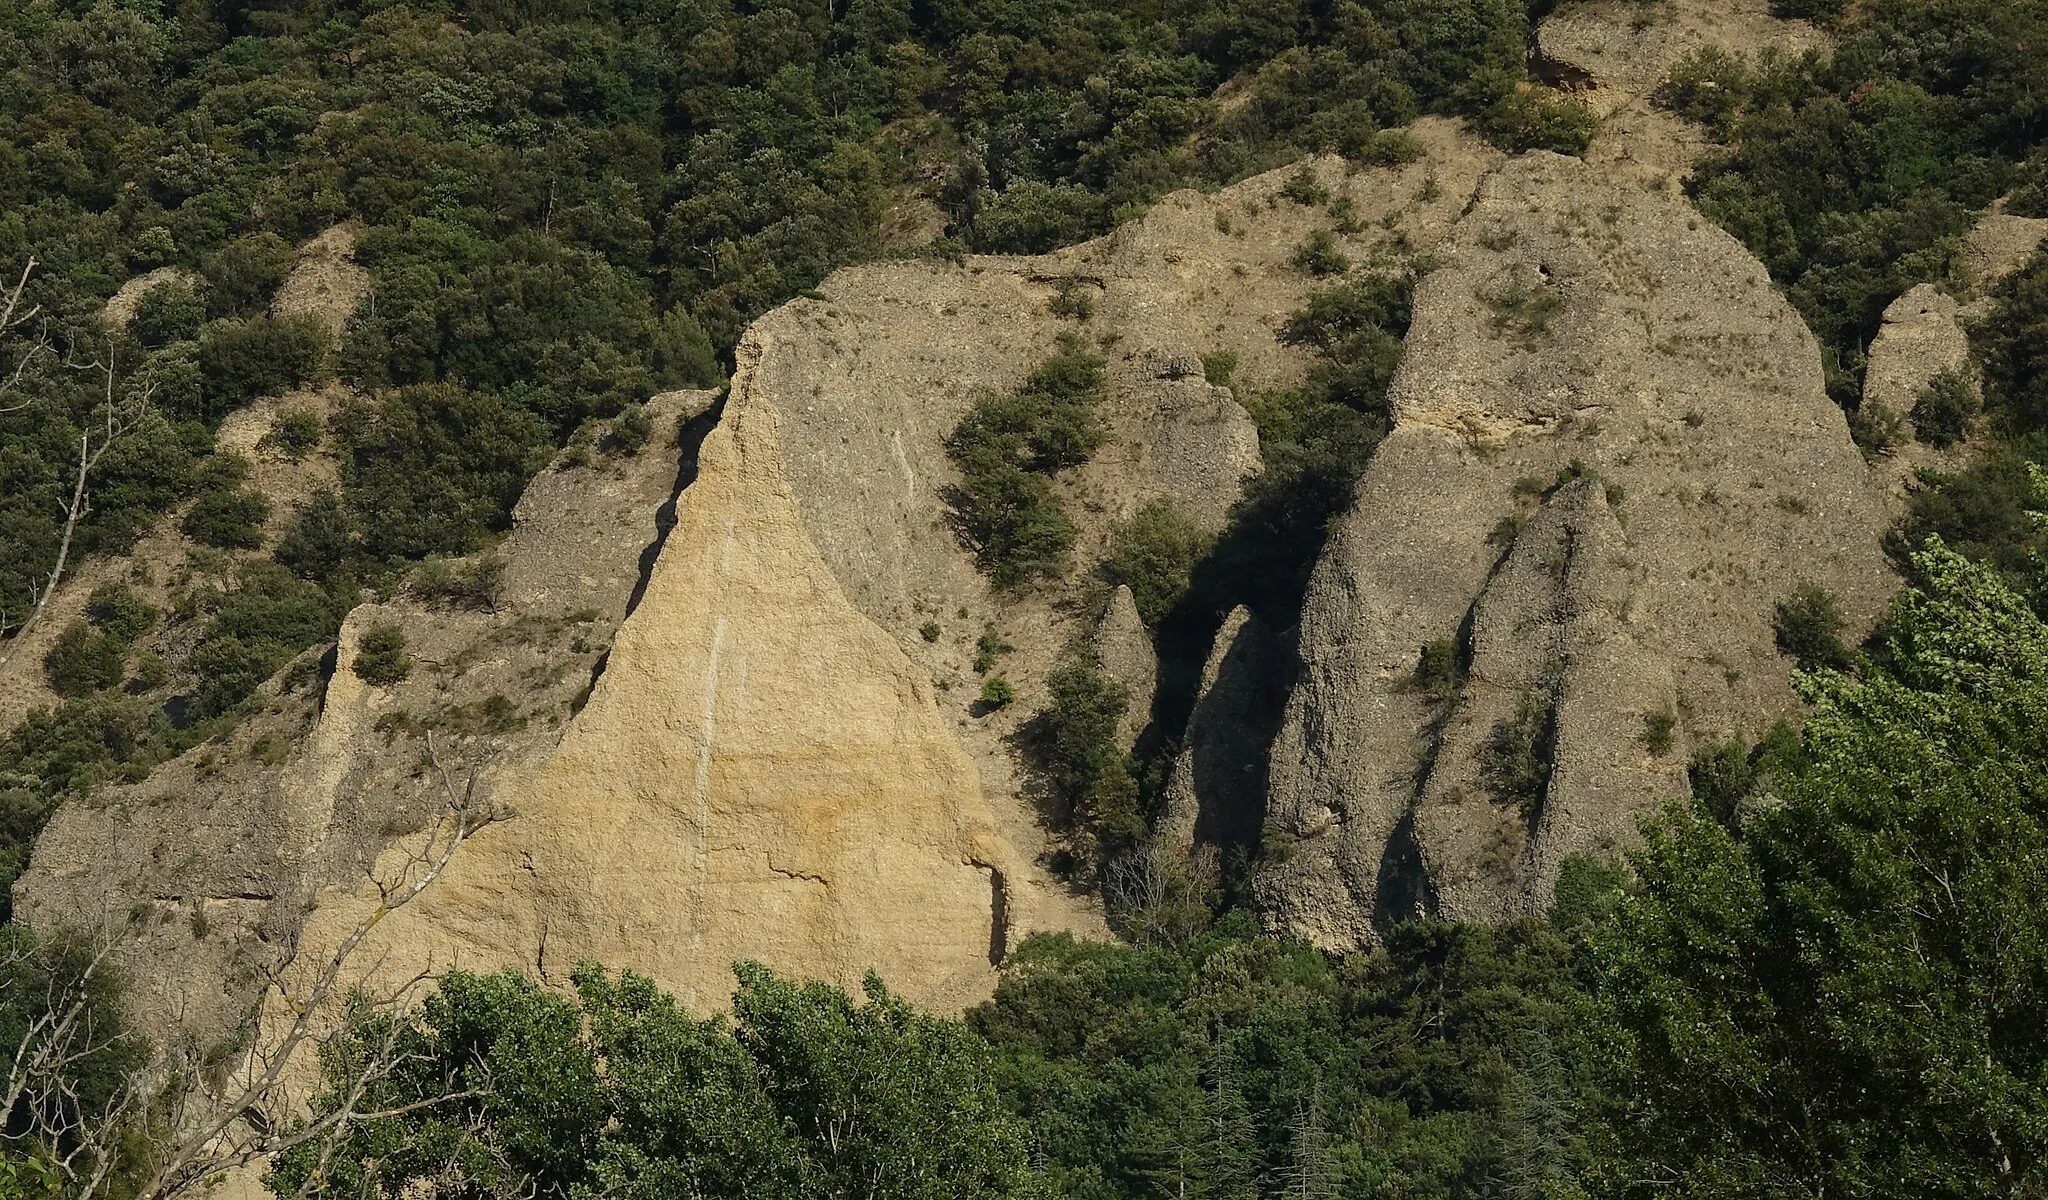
<point>1613,454</point>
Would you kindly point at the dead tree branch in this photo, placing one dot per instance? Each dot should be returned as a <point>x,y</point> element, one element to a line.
<point>207,1131</point>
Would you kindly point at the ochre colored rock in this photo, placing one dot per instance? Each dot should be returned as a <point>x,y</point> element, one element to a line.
<point>760,773</point>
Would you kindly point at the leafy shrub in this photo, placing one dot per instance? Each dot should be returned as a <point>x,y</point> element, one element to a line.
<point>1073,299</point>
<point>1319,256</point>
<point>477,584</point>
<point>1516,758</point>
<point>629,431</point>
<point>1081,759</point>
<point>1943,410</point>
<point>1437,669</point>
<point>245,274</point>
<point>169,312</point>
<point>228,672</point>
<point>1981,510</point>
<point>435,469</point>
<point>1305,186</point>
<point>1006,446</point>
<point>1876,428</point>
<point>116,609</point>
<point>320,539</point>
<point>84,660</point>
<point>1720,776</point>
<point>296,432</point>
<point>1707,85</point>
<point>1808,625</point>
<point>1219,367</point>
<point>1030,217</point>
<point>987,649</point>
<point>274,614</point>
<point>258,356</point>
<point>228,520</point>
<point>996,692</point>
<point>1538,118</point>
<point>1155,553</point>
<point>1657,730</point>
<point>381,659</point>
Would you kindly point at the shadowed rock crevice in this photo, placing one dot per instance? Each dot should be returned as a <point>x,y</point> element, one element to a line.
<point>691,431</point>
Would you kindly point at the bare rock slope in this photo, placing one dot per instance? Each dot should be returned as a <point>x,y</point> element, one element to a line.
<point>1613,454</point>
<point>202,873</point>
<point>783,759</point>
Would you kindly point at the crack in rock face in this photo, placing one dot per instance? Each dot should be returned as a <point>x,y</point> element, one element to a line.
<point>1613,454</point>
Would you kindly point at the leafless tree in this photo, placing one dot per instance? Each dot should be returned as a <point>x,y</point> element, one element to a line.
<point>33,348</point>
<point>125,406</point>
<point>203,1130</point>
<point>1160,893</point>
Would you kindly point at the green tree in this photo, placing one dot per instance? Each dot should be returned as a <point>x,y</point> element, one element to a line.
<point>1155,552</point>
<point>1845,999</point>
<point>802,1092</point>
<point>381,659</point>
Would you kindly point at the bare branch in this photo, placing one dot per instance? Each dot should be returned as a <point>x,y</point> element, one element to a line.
<point>226,1138</point>
<point>116,417</point>
<point>12,317</point>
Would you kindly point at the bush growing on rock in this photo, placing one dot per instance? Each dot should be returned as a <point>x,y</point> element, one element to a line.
<point>629,431</point>
<point>169,312</point>
<point>296,433</point>
<point>1944,409</point>
<point>381,659</point>
<point>260,356</point>
<point>228,519</point>
<point>1081,759</point>
<point>1155,553</point>
<point>1808,625</point>
<point>83,661</point>
<point>116,609</point>
<point>1007,447</point>
<point>1538,118</point>
<point>318,542</point>
<point>474,584</point>
<point>435,469</point>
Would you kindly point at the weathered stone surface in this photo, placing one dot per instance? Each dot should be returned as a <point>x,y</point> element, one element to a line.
<point>1574,330</point>
<point>761,772</point>
<point>1216,794</point>
<point>206,868</point>
<point>1124,651</point>
<point>326,283</point>
<point>1921,338</point>
<point>1999,243</point>
<point>1613,54</point>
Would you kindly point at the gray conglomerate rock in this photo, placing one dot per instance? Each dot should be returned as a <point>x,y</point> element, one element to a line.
<point>1613,454</point>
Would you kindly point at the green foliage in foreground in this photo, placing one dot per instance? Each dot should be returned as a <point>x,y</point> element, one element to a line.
<point>1247,1066</point>
<point>1847,996</point>
<point>617,1091</point>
